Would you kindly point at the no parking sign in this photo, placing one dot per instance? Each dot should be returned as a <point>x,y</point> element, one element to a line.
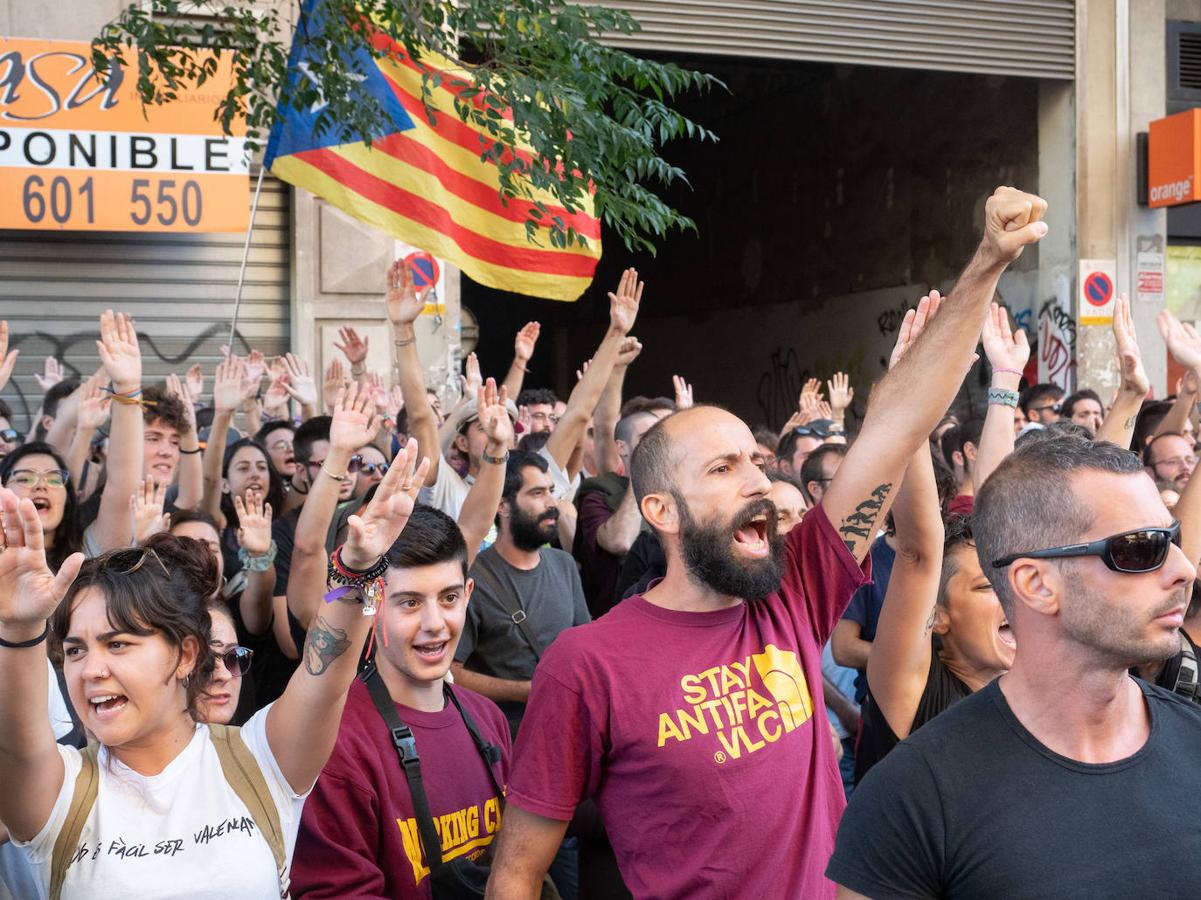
<point>1097,291</point>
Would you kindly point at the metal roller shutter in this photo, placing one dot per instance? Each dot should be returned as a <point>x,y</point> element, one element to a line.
<point>178,287</point>
<point>1034,38</point>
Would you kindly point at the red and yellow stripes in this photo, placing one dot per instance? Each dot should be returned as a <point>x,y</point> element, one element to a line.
<point>428,187</point>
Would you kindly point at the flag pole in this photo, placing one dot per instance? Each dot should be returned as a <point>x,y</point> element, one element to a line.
<point>254,205</point>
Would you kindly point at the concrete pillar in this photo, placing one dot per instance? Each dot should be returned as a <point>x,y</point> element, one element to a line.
<point>1056,344</point>
<point>1120,88</point>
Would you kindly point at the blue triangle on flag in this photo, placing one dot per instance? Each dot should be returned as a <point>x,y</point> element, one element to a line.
<point>297,130</point>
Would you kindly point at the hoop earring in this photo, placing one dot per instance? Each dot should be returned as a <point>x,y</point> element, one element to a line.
<point>186,680</point>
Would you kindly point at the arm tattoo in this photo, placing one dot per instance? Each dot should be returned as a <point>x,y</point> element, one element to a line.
<point>861,522</point>
<point>323,644</point>
<point>930,621</point>
<point>1130,422</point>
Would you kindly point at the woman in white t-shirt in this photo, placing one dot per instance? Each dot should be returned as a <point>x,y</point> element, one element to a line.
<point>136,632</point>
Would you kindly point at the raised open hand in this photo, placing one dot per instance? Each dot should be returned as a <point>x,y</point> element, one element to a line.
<point>525,422</point>
<point>195,382</point>
<point>523,345</point>
<point>119,351</point>
<point>227,384</point>
<point>683,392</point>
<point>52,374</point>
<point>371,533</point>
<point>1012,220</point>
<point>8,358</point>
<point>354,422</point>
<point>94,403</point>
<point>334,381</point>
<point>841,393</point>
<point>300,382</point>
<point>146,508</point>
<point>275,398</point>
<point>1181,338</point>
<point>914,324</point>
<point>176,388</point>
<point>256,367</point>
<point>254,523</point>
<point>1004,347</point>
<point>29,591</point>
<point>403,300</point>
<point>494,414</point>
<point>379,393</point>
<point>353,347</point>
<point>472,379</point>
<point>623,306</point>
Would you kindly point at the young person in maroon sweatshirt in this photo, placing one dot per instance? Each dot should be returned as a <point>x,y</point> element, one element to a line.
<point>359,836</point>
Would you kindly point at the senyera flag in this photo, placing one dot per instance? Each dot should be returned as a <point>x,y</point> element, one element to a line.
<point>425,184</point>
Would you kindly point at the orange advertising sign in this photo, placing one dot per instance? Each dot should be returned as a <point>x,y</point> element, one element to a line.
<point>1174,159</point>
<point>79,155</point>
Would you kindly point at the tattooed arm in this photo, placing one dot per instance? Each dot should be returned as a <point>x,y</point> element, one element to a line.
<point>926,373</point>
<point>1132,391</point>
<point>899,663</point>
<point>303,724</point>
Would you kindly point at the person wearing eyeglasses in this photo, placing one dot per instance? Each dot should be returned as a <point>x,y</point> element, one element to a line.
<point>369,466</point>
<point>219,701</point>
<point>36,471</point>
<point>10,438</point>
<point>278,437</point>
<point>541,404</point>
<point>1041,403</point>
<point>1170,457</point>
<point>169,815</point>
<point>1065,775</point>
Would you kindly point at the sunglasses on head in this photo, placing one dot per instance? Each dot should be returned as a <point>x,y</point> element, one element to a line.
<point>1131,552</point>
<point>236,660</point>
<point>806,431</point>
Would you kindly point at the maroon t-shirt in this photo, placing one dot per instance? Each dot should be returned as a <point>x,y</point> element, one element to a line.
<point>702,736</point>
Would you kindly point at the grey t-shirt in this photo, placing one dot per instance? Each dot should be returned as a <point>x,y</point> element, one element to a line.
<point>553,600</point>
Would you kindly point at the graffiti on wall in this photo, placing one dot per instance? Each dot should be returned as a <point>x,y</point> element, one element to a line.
<point>1056,345</point>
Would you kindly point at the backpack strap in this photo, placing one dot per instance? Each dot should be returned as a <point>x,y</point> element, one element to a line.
<point>489,751</point>
<point>87,785</point>
<point>244,775</point>
<point>510,602</point>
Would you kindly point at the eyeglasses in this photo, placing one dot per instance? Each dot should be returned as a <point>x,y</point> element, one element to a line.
<point>1131,552</point>
<point>544,417</point>
<point>1054,407</point>
<point>1176,462</point>
<point>27,478</point>
<point>10,435</point>
<point>280,446</point>
<point>236,660</point>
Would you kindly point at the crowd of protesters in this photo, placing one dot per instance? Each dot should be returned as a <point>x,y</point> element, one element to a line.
<point>262,636</point>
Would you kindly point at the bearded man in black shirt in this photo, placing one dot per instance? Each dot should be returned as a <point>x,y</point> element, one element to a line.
<point>1062,778</point>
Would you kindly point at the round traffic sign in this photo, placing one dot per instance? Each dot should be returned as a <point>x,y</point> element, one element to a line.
<point>423,267</point>
<point>1098,289</point>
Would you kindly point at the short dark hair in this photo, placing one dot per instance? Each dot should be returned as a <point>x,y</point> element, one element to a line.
<point>160,406</point>
<point>530,396</point>
<point>765,436</point>
<point>429,537</point>
<point>812,468</point>
<point>188,516</point>
<point>957,533</point>
<point>948,444</point>
<point>1057,429</point>
<point>1150,415</point>
<point>652,462</point>
<point>56,394</point>
<point>6,411</point>
<point>968,433</point>
<point>624,431</point>
<point>647,404</point>
<point>162,586</point>
<point>1070,401</point>
<point>310,432</point>
<point>274,425</point>
<point>1029,501</point>
<point>1150,448</point>
<point>1039,392</point>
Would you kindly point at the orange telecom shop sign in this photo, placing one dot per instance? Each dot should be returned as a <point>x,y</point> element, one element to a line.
<point>78,155</point>
<point>1174,159</point>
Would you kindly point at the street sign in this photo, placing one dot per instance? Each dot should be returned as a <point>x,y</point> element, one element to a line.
<point>1097,291</point>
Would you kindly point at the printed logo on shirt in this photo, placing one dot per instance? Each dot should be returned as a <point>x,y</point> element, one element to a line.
<point>741,706</point>
<point>464,832</point>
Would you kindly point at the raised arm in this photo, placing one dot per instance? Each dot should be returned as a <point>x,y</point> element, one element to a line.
<point>405,304</point>
<point>191,466</point>
<point>623,310</point>
<point>227,394</point>
<point>353,424</point>
<point>899,663</point>
<point>1118,426</point>
<point>1007,353</point>
<point>479,509</point>
<point>254,537</point>
<point>31,769</point>
<point>93,412</point>
<point>908,401</point>
<point>122,359</point>
<point>608,411</point>
<point>1185,346</point>
<point>303,724</point>
<point>300,384</point>
<point>354,348</point>
<point>523,352</point>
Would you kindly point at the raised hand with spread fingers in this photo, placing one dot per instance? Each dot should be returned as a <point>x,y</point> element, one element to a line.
<point>122,359</point>
<point>146,510</point>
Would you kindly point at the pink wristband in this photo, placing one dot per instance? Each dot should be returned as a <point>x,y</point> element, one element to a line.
<point>1007,371</point>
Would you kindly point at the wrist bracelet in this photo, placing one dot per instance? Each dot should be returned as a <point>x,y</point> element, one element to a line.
<point>257,563</point>
<point>359,372</point>
<point>190,452</point>
<point>405,342</point>
<point>338,478</point>
<point>998,397</point>
<point>32,642</point>
<point>1007,371</point>
<point>495,460</point>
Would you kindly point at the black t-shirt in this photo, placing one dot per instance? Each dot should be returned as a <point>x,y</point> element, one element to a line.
<point>876,737</point>
<point>974,806</point>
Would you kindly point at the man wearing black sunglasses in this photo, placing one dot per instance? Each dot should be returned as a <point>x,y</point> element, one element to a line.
<point>1044,782</point>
